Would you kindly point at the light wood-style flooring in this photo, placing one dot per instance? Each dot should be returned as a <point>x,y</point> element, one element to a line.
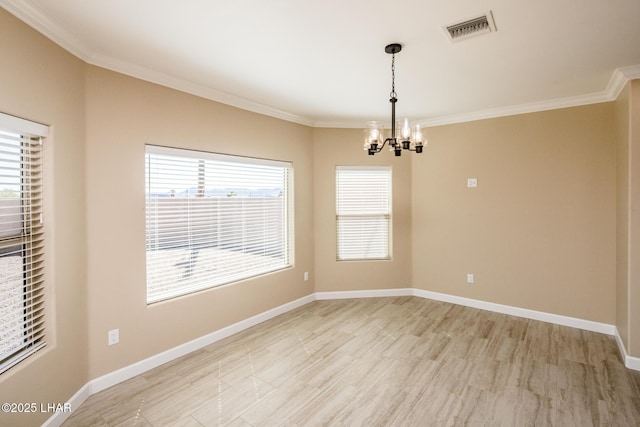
<point>402,361</point>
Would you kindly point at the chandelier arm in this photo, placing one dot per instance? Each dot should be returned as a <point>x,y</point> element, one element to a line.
<point>378,149</point>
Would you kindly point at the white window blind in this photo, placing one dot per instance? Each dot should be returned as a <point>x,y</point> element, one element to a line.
<point>22,311</point>
<point>363,212</point>
<point>213,219</point>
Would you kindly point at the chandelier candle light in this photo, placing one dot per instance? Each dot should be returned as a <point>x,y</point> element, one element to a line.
<point>402,136</point>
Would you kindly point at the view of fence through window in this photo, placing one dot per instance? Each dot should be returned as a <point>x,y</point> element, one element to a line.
<point>12,300</point>
<point>10,257</point>
<point>213,219</point>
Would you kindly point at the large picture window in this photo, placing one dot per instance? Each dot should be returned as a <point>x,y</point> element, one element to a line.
<point>22,304</point>
<point>363,212</point>
<point>213,219</point>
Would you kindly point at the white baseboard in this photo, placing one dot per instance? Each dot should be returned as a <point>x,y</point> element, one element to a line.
<point>557,319</point>
<point>116,377</point>
<point>375,293</point>
<point>123,374</point>
<point>573,322</point>
<point>587,325</point>
<point>75,401</point>
<point>145,365</point>
<point>629,361</point>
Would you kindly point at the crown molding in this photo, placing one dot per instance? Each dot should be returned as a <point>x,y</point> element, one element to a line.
<point>196,89</point>
<point>42,24</point>
<point>631,73</point>
<point>36,20</point>
<point>513,110</point>
<point>618,79</point>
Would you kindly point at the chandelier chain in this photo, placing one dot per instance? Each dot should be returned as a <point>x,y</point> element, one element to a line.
<point>393,93</point>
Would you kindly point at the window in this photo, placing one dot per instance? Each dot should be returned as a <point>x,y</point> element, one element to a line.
<point>363,212</point>
<point>22,308</point>
<point>213,219</point>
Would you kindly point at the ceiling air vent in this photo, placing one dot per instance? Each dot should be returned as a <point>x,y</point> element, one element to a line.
<point>471,27</point>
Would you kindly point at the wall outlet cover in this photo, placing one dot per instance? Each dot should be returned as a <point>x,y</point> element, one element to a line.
<point>114,336</point>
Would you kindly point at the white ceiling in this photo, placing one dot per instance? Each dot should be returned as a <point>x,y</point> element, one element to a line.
<point>322,63</point>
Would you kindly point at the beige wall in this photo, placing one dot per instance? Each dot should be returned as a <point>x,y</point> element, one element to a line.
<point>41,82</point>
<point>627,121</point>
<point>634,221</point>
<point>122,115</point>
<point>622,136</point>
<point>539,230</point>
<point>343,147</point>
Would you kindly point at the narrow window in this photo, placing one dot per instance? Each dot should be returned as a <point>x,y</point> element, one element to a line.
<point>363,212</point>
<point>22,323</point>
<point>213,219</point>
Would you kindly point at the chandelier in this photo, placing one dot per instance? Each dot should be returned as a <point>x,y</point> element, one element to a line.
<point>403,137</point>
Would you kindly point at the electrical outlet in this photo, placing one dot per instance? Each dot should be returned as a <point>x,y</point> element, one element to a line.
<point>306,276</point>
<point>469,278</point>
<point>114,336</point>
<point>472,182</point>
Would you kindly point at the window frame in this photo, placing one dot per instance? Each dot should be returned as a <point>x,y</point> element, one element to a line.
<point>206,161</point>
<point>387,216</point>
<point>29,242</point>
